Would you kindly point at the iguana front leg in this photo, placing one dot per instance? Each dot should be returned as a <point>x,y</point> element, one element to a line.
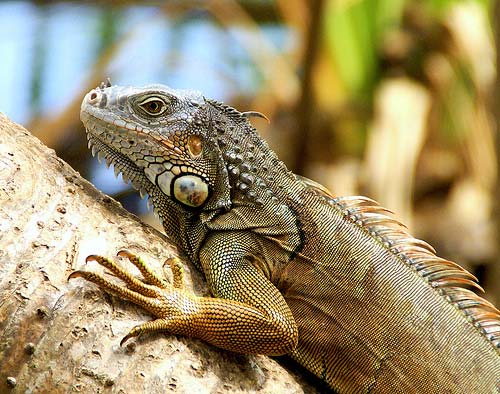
<point>252,317</point>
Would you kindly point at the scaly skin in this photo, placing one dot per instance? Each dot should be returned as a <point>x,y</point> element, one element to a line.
<point>334,282</point>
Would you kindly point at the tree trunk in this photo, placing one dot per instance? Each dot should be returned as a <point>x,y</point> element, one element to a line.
<point>58,336</point>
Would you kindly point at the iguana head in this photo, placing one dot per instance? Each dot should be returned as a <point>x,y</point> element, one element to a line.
<point>201,162</point>
<point>159,138</point>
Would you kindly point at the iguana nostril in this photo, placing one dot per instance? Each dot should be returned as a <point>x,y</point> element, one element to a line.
<point>97,98</point>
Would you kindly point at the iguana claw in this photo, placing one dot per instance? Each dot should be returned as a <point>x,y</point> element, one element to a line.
<point>150,293</point>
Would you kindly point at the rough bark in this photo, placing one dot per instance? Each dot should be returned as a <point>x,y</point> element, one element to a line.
<point>58,336</point>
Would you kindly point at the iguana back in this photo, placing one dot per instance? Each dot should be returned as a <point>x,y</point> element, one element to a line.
<point>378,312</point>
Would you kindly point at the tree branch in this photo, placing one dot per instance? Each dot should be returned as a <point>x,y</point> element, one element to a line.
<point>61,337</point>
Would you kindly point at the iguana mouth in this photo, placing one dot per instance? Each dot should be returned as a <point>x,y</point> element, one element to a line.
<point>99,124</point>
<point>94,123</point>
<point>152,162</point>
<point>130,172</point>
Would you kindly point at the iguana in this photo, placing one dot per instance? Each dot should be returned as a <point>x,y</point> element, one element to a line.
<point>335,282</point>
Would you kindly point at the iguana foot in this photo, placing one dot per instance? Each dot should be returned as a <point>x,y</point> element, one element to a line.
<point>260,323</point>
<point>152,293</point>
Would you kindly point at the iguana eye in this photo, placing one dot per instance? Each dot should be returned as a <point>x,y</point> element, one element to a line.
<point>153,106</point>
<point>194,145</point>
<point>190,190</point>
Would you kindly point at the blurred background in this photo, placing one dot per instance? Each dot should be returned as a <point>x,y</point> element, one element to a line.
<point>394,99</point>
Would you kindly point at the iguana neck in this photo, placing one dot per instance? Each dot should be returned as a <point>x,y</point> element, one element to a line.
<point>256,175</point>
